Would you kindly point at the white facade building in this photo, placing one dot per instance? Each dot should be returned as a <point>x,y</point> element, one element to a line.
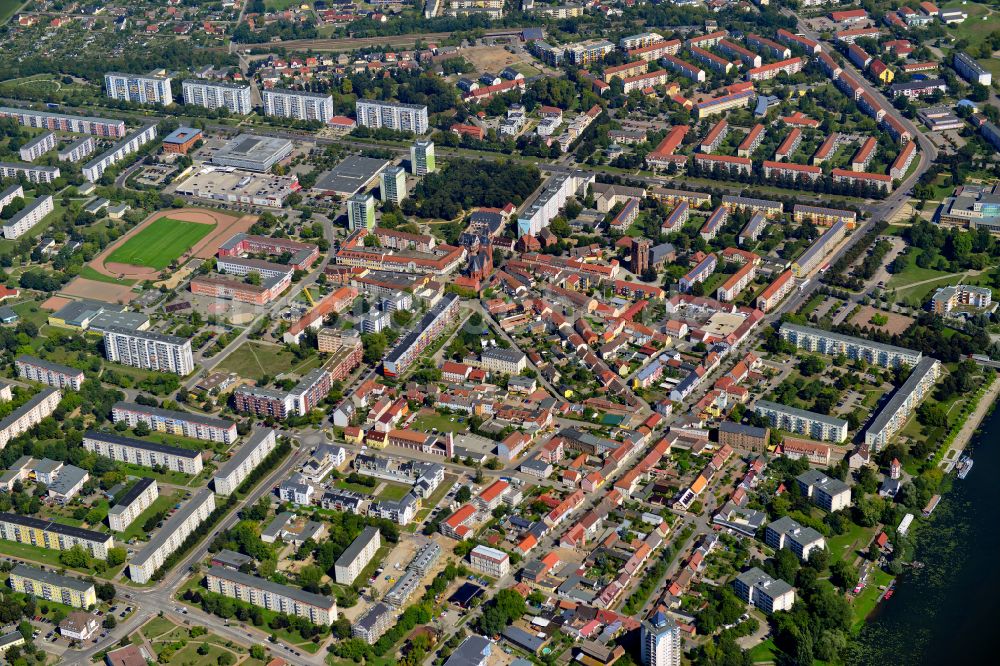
<point>251,454</point>
<point>27,217</point>
<point>218,95</point>
<point>138,88</point>
<point>392,115</point>
<point>298,104</point>
<point>149,350</point>
<point>170,537</point>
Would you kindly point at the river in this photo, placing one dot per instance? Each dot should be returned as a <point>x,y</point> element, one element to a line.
<point>947,612</point>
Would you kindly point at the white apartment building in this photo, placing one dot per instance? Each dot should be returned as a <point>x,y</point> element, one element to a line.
<point>235,471</point>
<point>490,561</point>
<point>139,88</point>
<point>218,95</point>
<point>132,504</point>
<point>761,591</point>
<point>504,361</point>
<point>95,168</point>
<point>148,350</point>
<point>46,372</point>
<point>27,217</point>
<point>38,146</point>
<point>143,453</point>
<point>787,533</point>
<point>970,70</point>
<point>298,104</point>
<point>902,404</point>
<point>357,556</point>
<point>835,344</point>
<point>173,533</point>
<point>661,641</point>
<point>34,174</point>
<point>11,193</point>
<point>392,115</point>
<point>77,150</point>
<point>195,426</point>
<point>272,596</point>
<point>422,157</point>
<point>825,492</point>
<point>29,414</point>
<point>537,212</point>
<point>810,424</point>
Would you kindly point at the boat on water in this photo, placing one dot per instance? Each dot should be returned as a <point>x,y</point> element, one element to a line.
<point>964,466</point>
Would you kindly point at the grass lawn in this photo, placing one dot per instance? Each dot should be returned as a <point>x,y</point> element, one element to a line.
<point>171,477</point>
<point>527,69</point>
<point>765,652</point>
<point>253,360</point>
<point>865,602</point>
<point>7,9</point>
<point>280,5</point>
<point>30,311</point>
<point>393,491</point>
<point>846,545</point>
<point>913,273</point>
<point>90,274</point>
<point>157,626</point>
<point>164,501</point>
<point>974,28</point>
<point>50,558</point>
<point>353,487</point>
<point>160,243</point>
<point>443,422</point>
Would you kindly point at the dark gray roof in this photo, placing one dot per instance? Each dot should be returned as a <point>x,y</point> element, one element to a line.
<point>169,527</point>
<point>48,365</point>
<point>133,493</point>
<point>295,593</point>
<point>50,577</point>
<point>172,414</point>
<point>33,402</point>
<point>357,546</point>
<point>141,444</point>
<point>58,528</point>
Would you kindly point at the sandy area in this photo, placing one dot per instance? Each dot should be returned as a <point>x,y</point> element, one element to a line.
<point>897,323</point>
<point>99,291</point>
<point>55,303</point>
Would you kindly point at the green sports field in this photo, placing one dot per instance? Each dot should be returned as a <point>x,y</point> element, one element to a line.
<point>160,243</point>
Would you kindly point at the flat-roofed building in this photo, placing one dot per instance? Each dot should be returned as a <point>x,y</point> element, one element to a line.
<point>490,561</point>
<point>253,153</point>
<point>195,426</point>
<point>392,115</point>
<point>148,350</point>
<point>835,344</point>
<point>95,168</point>
<point>318,609</point>
<point>38,146</point>
<point>970,70</point>
<point>352,561</point>
<point>25,219</point>
<point>787,533</point>
<point>504,361</point>
<point>170,537</point>
<point>373,623</point>
<point>139,88</point>
<point>28,415</point>
<point>138,498</point>
<point>51,586</point>
<point>65,122</point>
<point>761,591</point>
<point>235,471</point>
<point>143,453</point>
<point>819,250</point>
<point>811,424</point>
<point>826,217</point>
<point>218,95</point>
<point>298,104</point>
<point>46,372</point>
<point>34,174</point>
<point>55,536</point>
<point>895,413</point>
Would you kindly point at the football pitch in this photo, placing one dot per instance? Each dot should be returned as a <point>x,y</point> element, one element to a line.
<point>160,243</point>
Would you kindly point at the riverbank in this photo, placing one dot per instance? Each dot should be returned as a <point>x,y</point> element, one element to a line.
<point>947,608</point>
<point>971,424</point>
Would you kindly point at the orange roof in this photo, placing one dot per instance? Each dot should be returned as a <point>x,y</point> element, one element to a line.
<point>494,490</point>
<point>463,514</point>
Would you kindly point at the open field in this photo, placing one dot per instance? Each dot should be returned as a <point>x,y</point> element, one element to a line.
<point>393,491</point>
<point>492,58</point>
<point>7,9</point>
<point>426,420</point>
<point>159,244</point>
<point>88,273</point>
<point>253,360</point>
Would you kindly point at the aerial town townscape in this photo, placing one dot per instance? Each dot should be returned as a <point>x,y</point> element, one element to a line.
<point>490,333</point>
